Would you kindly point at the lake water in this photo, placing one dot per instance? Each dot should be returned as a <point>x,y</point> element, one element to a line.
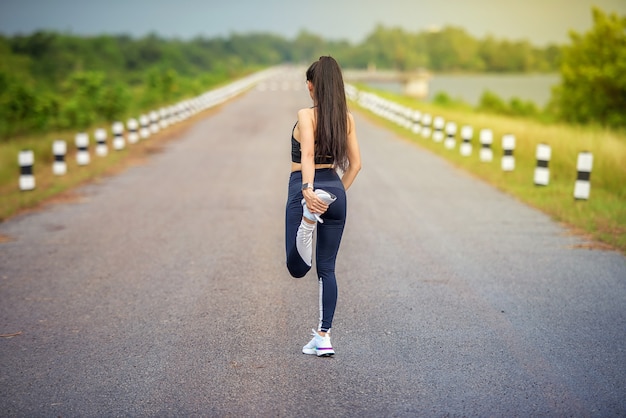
<point>469,87</point>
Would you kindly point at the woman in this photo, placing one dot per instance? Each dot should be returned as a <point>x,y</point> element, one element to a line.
<point>323,141</point>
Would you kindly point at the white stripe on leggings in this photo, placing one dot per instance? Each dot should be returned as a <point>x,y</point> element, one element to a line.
<point>321,305</point>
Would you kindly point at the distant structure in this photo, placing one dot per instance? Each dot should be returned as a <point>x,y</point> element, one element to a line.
<point>415,83</point>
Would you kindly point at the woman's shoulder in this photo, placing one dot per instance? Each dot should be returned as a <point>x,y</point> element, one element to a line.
<point>350,122</point>
<point>307,111</point>
<point>306,115</point>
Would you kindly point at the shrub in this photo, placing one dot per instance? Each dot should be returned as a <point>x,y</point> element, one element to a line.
<point>492,103</point>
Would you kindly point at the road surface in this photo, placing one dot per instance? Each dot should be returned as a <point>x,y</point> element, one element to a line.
<point>162,291</point>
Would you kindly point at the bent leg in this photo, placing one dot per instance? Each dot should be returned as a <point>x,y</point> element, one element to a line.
<point>293,217</point>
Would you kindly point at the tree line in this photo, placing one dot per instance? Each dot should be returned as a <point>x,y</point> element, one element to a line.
<point>57,81</point>
<point>593,79</point>
<point>53,81</point>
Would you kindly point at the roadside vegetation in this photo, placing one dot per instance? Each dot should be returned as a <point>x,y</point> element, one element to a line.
<point>54,81</point>
<point>54,85</point>
<point>601,217</point>
<point>586,113</point>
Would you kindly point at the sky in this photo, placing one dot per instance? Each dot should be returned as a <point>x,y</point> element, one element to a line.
<point>539,21</point>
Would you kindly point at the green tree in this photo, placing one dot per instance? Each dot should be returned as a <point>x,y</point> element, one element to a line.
<point>90,97</point>
<point>507,56</point>
<point>82,91</point>
<point>593,73</point>
<point>453,49</point>
<point>161,86</point>
<point>113,102</point>
<point>518,107</point>
<point>308,47</point>
<point>491,102</point>
<point>54,80</point>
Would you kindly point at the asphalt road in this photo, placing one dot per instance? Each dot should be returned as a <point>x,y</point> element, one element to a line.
<point>163,291</point>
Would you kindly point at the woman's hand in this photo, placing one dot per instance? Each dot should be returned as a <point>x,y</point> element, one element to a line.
<point>314,203</point>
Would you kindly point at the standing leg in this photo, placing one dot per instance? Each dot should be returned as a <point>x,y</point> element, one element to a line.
<point>329,235</point>
<point>328,241</point>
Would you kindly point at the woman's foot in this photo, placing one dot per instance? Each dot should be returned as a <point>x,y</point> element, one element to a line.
<point>304,236</point>
<point>319,345</point>
<point>325,197</point>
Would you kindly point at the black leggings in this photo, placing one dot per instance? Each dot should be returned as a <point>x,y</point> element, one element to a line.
<point>328,238</point>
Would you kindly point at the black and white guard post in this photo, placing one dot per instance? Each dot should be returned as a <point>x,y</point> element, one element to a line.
<point>508,149</point>
<point>82,148</point>
<point>26,160</point>
<point>102,149</point>
<point>427,119</point>
<point>486,139</point>
<point>407,116</point>
<point>416,119</point>
<point>542,170</point>
<point>163,118</point>
<point>118,136</point>
<point>582,188</point>
<point>133,126</point>
<point>438,125</point>
<point>450,141</point>
<point>154,122</point>
<point>175,114</point>
<point>144,122</point>
<point>59,150</point>
<point>466,136</point>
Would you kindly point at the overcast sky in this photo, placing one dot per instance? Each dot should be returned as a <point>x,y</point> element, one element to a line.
<point>540,21</point>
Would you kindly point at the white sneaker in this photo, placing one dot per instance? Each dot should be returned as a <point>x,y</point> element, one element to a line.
<point>326,197</point>
<point>310,347</point>
<point>319,345</point>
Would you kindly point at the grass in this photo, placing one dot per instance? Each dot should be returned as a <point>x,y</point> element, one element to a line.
<point>14,201</point>
<point>602,216</point>
<point>48,185</point>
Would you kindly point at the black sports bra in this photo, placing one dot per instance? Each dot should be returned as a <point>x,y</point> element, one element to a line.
<point>296,153</point>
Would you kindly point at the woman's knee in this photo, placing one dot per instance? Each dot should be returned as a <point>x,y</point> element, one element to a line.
<point>297,267</point>
<point>326,274</point>
<point>296,273</point>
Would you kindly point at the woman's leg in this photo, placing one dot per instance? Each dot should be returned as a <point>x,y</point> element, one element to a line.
<point>304,229</point>
<point>304,237</point>
<point>293,217</point>
<point>329,236</point>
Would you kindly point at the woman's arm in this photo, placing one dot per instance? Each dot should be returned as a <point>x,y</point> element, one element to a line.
<point>306,127</point>
<point>307,144</point>
<point>354,155</point>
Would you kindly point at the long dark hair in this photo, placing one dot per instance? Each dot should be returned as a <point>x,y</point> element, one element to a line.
<point>331,135</point>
